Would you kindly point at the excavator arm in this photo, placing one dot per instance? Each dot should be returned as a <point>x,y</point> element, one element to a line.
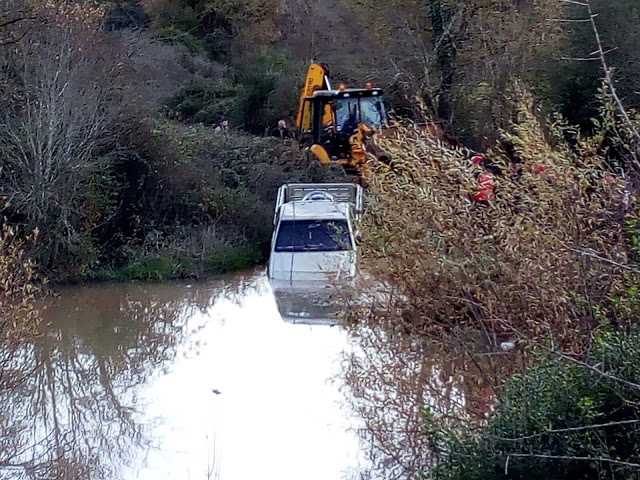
<point>317,79</point>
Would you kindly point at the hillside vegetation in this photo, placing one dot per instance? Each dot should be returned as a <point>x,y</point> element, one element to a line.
<point>94,158</point>
<point>95,95</point>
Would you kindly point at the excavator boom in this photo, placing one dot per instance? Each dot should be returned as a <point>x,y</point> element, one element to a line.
<point>317,79</point>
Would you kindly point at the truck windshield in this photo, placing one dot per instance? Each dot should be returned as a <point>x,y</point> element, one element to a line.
<point>313,236</point>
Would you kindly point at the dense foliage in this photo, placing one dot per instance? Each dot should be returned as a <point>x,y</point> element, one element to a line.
<point>550,244</point>
<point>566,417</point>
<point>461,288</point>
<point>459,56</point>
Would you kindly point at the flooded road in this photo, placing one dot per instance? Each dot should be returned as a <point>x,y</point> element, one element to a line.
<point>180,382</point>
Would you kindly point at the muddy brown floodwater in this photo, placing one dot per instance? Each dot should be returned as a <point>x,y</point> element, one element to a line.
<point>178,381</point>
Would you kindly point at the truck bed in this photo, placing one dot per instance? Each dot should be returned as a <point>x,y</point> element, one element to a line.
<point>341,193</point>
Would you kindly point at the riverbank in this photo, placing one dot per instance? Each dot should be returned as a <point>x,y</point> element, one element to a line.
<point>203,205</point>
<point>177,201</point>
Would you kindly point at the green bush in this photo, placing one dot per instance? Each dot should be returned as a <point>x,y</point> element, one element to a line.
<point>229,258</point>
<point>176,36</point>
<point>153,269</point>
<point>564,418</point>
<point>269,88</point>
<point>169,13</point>
<point>264,91</point>
<point>204,100</point>
<point>126,14</point>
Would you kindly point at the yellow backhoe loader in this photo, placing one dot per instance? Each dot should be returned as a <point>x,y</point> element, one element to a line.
<point>337,125</point>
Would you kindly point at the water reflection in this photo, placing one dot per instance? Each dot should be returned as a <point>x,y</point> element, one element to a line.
<point>309,303</point>
<point>174,381</point>
<point>72,416</point>
<point>393,379</point>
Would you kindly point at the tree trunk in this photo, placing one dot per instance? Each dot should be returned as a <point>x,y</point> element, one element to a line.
<point>441,17</point>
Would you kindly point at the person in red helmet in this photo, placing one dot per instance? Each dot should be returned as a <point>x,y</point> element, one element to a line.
<point>485,189</point>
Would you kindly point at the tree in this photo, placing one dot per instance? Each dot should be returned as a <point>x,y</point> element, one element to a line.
<point>442,18</point>
<point>53,144</point>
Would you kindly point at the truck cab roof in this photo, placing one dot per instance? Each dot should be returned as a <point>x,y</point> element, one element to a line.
<point>348,92</point>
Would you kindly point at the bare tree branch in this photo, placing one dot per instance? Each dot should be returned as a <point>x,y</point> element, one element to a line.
<point>569,457</point>
<point>592,254</point>
<point>607,74</point>
<point>13,21</point>
<point>566,430</point>
<point>597,370</point>
<point>13,40</point>
<point>574,2</point>
<point>569,20</point>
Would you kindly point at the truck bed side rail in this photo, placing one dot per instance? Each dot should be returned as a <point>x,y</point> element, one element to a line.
<point>280,200</point>
<point>341,192</point>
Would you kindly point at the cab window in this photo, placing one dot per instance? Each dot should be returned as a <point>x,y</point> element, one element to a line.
<point>313,236</point>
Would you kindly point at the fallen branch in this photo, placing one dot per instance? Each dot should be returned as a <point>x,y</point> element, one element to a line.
<point>592,254</point>
<point>13,21</point>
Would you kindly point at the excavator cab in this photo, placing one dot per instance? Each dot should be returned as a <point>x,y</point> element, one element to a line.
<point>333,124</point>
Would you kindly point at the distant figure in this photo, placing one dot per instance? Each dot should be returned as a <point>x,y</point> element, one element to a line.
<point>282,131</point>
<point>222,127</point>
<point>282,128</point>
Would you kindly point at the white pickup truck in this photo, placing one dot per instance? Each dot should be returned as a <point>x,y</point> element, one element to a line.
<point>314,237</point>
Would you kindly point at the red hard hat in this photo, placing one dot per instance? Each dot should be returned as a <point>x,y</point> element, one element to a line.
<point>477,159</point>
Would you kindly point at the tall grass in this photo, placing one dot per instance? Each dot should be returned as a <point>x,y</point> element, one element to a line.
<point>548,253</point>
<point>471,287</point>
